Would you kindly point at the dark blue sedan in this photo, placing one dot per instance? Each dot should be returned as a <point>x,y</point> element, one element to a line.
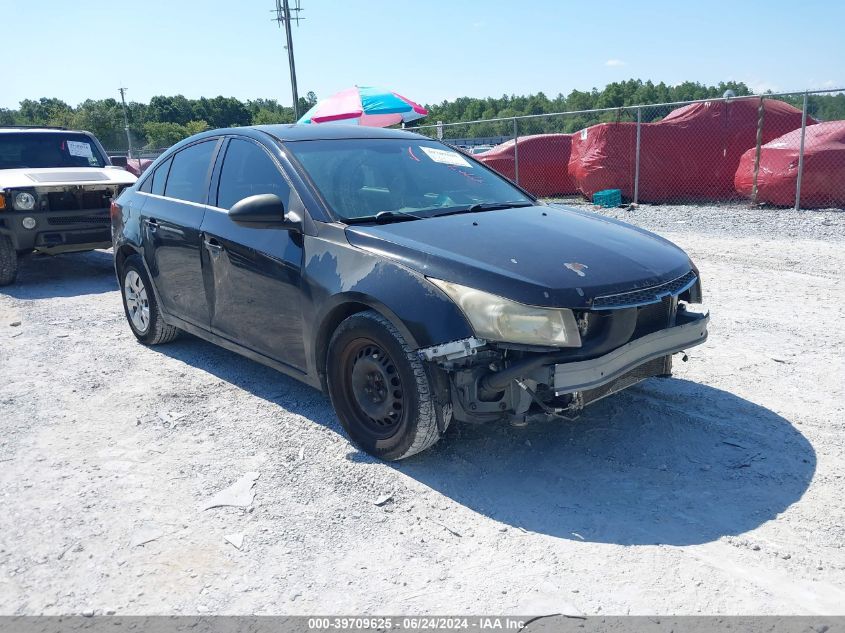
<point>409,281</point>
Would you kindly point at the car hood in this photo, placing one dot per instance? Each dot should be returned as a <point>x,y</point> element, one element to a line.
<point>540,255</point>
<point>52,176</point>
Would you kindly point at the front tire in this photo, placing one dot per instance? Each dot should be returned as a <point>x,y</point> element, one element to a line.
<point>140,306</point>
<point>8,261</point>
<point>380,389</point>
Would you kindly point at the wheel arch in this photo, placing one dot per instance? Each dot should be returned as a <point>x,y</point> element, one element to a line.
<point>123,253</point>
<point>343,307</point>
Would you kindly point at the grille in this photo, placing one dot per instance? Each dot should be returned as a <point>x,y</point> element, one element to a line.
<point>654,317</point>
<point>78,219</point>
<point>63,201</point>
<point>84,201</point>
<point>646,295</point>
<point>654,367</point>
<point>73,237</point>
<point>95,199</point>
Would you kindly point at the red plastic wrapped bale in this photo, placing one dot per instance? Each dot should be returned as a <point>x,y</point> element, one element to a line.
<point>543,163</point>
<point>692,154</point>
<point>602,157</point>
<point>823,182</point>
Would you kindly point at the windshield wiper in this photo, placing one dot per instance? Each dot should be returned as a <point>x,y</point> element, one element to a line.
<point>486,206</point>
<point>384,217</point>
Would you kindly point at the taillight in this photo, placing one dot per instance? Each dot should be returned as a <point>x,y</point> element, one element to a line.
<point>115,209</point>
<point>2,202</point>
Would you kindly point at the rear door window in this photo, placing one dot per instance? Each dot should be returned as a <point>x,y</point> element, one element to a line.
<point>188,177</point>
<point>147,185</point>
<point>248,170</point>
<point>160,177</point>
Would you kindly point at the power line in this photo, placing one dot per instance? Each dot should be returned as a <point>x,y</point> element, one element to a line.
<point>284,16</point>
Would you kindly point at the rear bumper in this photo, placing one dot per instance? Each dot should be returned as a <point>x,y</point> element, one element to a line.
<point>58,231</point>
<point>584,375</point>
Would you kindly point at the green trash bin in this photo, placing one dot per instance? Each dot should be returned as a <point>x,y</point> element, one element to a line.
<point>608,198</point>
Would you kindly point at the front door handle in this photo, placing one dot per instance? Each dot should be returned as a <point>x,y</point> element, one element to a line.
<point>212,245</point>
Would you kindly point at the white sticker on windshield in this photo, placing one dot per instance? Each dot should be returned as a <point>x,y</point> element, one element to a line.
<point>445,156</point>
<point>80,148</point>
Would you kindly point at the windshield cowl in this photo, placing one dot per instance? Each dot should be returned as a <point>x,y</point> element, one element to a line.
<point>487,206</point>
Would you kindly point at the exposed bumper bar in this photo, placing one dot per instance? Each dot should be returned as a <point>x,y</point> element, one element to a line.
<point>588,374</point>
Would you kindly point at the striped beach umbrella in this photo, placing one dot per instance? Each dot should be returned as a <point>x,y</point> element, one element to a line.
<point>364,105</point>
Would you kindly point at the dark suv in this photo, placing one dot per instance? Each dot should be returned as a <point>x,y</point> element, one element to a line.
<point>411,282</point>
<point>56,186</point>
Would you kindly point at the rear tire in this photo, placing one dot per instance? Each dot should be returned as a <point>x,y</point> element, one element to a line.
<point>380,389</point>
<point>140,306</point>
<point>8,261</point>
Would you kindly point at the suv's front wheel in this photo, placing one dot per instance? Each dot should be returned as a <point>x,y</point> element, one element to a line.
<point>8,261</point>
<point>380,389</point>
<point>140,305</point>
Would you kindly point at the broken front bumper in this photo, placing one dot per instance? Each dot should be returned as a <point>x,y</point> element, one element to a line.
<point>691,329</point>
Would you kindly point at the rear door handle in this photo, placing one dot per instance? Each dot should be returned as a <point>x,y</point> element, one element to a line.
<point>212,245</point>
<point>152,223</point>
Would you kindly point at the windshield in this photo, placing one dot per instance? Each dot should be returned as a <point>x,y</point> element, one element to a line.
<point>360,178</point>
<point>48,149</point>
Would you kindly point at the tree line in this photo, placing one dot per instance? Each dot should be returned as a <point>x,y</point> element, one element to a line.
<point>168,119</point>
<point>154,125</point>
<point>615,95</point>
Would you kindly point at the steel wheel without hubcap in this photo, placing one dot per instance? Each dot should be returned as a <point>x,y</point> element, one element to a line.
<point>381,390</point>
<point>375,386</point>
<point>137,303</point>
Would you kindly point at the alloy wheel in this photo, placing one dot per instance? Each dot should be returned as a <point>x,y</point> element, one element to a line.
<point>137,303</point>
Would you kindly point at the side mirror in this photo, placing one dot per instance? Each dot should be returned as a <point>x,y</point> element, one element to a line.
<point>265,210</point>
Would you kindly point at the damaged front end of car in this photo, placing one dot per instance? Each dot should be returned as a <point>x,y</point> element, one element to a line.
<point>618,341</point>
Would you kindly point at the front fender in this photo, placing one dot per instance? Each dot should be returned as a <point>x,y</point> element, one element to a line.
<point>338,274</point>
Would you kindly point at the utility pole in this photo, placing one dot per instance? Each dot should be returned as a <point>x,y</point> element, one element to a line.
<point>283,15</point>
<point>126,123</point>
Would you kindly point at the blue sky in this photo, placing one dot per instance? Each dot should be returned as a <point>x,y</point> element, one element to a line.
<point>428,51</point>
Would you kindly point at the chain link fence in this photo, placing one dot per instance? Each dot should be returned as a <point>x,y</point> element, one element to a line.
<point>149,154</point>
<point>771,149</point>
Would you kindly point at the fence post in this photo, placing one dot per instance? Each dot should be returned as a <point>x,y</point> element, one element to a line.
<point>761,113</point>
<point>637,158</point>
<point>801,155</point>
<point>515,151</point>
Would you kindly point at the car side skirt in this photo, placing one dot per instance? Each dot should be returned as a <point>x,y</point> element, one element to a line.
<point>225,343</point>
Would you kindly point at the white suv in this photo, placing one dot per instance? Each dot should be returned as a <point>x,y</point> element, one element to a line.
<point>56,187</point>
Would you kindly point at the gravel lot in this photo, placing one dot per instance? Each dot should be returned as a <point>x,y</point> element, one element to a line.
<point>718,491</point>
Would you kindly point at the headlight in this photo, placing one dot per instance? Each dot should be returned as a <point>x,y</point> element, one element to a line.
<point>498,319</point>
<point>24,201</point>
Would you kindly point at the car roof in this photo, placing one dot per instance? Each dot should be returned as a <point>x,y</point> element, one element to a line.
<point>310,132</point>
<point>299,132</point>
<point>34,128</point>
